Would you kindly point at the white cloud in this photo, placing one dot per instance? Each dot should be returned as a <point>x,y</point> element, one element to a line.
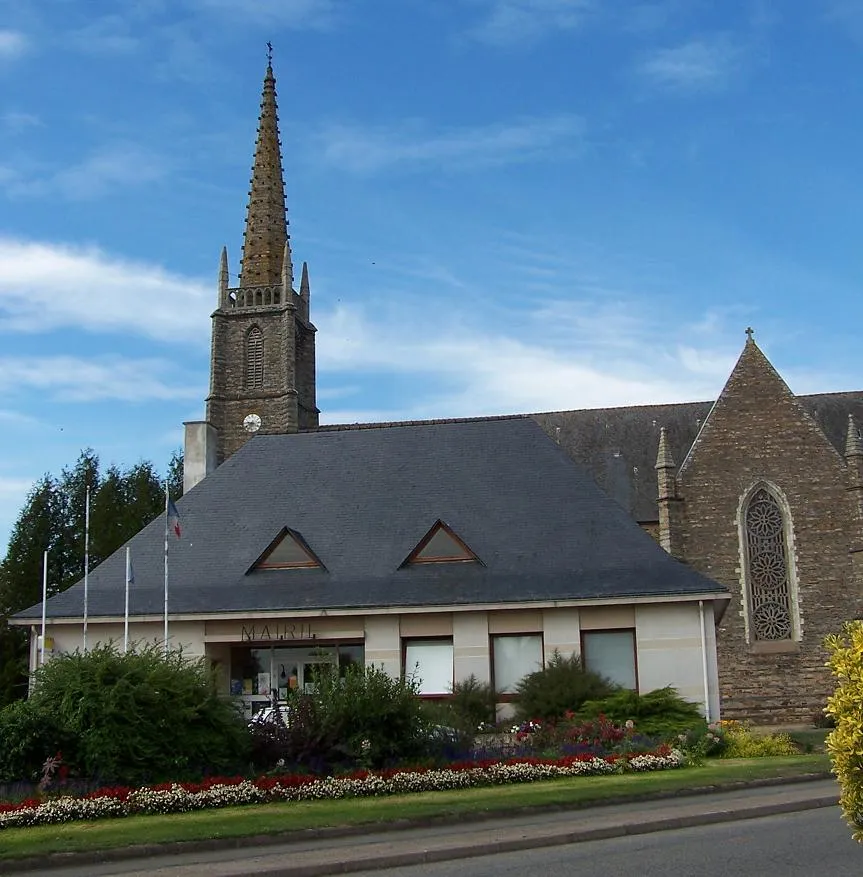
<point>76,379</point>
<point>599,357</point>
<point>45,286</point>
<point>13,492</point>
<point>114,166</point>
<point>516,22</point>
<point>12,122</point>
<point>366,150</point>
<point>17,419</point>
<point>707,64</point>
<point>13,44</point>
<point>14,487</point>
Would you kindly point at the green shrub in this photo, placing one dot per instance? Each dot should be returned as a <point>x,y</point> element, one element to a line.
<point>28,735</point>
<point>136,717</point>
<point>363,718</point>
<point>471,706</point>
<point>562,686</point>
<point>702,741</point>
<point>301,742</point>
<point>599,736</point>
<point>740,742</point>
<point>456,721</point>
<point>367,704</point>
<point>662,714</point>
<point>845,707</point>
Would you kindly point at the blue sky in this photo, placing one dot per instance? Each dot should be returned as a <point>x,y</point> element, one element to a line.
<point>506,205</point>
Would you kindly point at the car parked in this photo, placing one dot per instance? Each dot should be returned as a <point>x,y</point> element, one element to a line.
<point>272,715</point>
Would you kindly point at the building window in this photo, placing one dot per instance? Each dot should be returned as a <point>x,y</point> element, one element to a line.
<point>440,545</point>
<point>288,551</point>
<point>513,657</point>
<point>429,662</point>
<point>768,585</point>
<point>611,653</point>
<point>254,359</point>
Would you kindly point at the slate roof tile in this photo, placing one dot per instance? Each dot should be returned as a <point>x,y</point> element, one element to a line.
<point>362,499</point>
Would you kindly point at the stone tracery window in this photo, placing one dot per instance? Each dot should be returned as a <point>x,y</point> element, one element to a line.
<point>771,609</point>
<point>254,358</point>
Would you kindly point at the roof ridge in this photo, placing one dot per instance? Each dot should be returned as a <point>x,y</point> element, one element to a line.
<point>337,427</point>
<point>387,424</point>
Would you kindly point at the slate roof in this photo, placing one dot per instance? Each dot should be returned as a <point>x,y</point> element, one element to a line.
<point>362,499</point>
<point>618,445</point>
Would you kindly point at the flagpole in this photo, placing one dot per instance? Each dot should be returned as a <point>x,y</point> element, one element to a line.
<point>126,609</point>
<point>167,501</point>
<point>86,560</point>
<point>44,600</point>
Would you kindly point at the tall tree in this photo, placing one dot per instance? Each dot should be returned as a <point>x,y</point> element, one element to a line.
<point>109,517</point>
<point>145,495</point>
<point>38,528</point>
<point>53,519</point>
<point>73,486</point>
<point>175,474</point>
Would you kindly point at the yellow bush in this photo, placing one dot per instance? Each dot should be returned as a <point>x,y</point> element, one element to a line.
<point>845,741</point>
<point>740,742</point>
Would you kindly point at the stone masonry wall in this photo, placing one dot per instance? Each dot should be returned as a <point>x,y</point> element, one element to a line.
<point>651,527</point>
<point>305,379</point>
<point>230,399</point>
<point>757,431</point>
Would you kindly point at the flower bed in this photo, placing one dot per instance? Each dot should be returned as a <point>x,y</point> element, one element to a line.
<point>231,792</point>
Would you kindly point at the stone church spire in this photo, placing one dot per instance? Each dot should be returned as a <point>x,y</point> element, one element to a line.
<point>262,360</point>
<point>266,242</point>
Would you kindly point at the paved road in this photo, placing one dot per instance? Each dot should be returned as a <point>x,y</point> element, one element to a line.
<point>314,856</point>
<point>803,844</point>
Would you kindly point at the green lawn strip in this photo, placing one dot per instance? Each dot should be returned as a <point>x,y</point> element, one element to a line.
<point>283,818</point>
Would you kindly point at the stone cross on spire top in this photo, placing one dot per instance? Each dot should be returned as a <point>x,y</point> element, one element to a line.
<point>749,333</point>
<point>266,240</point>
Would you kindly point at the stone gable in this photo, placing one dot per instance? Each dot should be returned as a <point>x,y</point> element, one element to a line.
<point>758,432</point>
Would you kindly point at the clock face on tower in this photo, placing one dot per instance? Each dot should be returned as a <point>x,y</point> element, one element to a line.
<point>251,423</point>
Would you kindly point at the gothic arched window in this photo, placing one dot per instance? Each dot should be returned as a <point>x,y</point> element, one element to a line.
<point>768,573</point>
<point>254,358</point>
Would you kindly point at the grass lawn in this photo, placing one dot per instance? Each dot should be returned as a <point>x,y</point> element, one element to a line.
<point>286,817</point>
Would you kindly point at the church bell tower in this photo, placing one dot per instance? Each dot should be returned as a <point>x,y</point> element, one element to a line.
<point>262,362</point>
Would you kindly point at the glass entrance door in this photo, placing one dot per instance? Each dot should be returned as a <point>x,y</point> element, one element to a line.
<point>298,669</point>
<point>260,676</point>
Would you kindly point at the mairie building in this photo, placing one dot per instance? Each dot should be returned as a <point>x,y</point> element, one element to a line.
<point>710,546</point>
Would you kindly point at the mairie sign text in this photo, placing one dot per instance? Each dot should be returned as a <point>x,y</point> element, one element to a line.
<point>276,631</point>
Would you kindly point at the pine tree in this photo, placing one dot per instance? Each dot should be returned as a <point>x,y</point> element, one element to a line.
<point>175,474</point>
<point>72,492</point>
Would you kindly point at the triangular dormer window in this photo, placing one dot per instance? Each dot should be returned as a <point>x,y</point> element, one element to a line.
<point>441,545</point>
<point>288,551</point>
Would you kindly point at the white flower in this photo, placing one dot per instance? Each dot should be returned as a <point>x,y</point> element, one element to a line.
<point>177,799</point>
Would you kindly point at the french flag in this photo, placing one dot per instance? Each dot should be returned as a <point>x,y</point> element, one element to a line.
<point>174,518</point>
